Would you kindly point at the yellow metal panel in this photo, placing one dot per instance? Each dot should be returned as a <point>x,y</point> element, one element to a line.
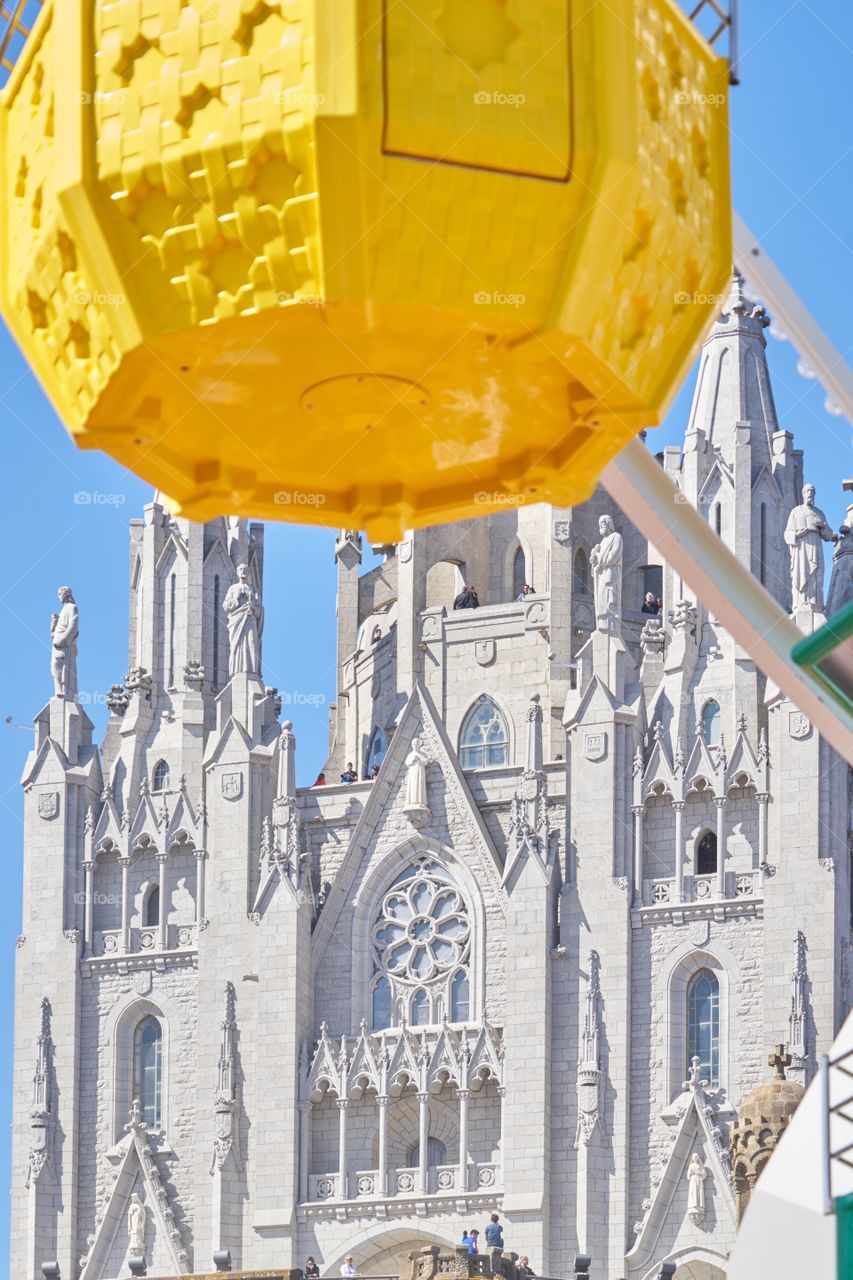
<point>466,83</point>
<point>360,263</point>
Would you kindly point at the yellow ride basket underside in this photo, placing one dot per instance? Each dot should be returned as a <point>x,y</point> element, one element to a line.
<point>363,262</point>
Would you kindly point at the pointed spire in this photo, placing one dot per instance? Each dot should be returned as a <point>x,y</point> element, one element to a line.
<point>722,757</point>
<point>286,787</point>
<point>734,383</point>
<point>763,749</point>
<point>533,759</point>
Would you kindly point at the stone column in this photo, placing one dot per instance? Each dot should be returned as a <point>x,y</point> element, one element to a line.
<point>88,908</point>
<point>639,811</point>
<point>200,859</point>
<point>423,1144</point>
<point>501,1171</point>
<point>162,939</point>
<point>720,802</point>
<point>678,806</point>
<point>343,1103</point>
<point>304,1148</point>
<point>462,1182</point>
<point>762,797</point>
<point>125,904</point>
<point>382,1101</point>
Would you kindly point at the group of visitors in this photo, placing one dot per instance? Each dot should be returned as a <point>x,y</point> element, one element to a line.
<point>494,1239</point>
<point>349,775</point>
<point>468,598</point>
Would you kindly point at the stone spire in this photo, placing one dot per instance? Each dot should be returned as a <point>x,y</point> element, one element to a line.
<point>739,468</point>
<point>733,385</point>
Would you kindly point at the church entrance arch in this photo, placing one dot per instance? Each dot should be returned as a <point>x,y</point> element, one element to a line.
<point>693,1264</point>
<point>386,1252</point>
<point>699,1270</point>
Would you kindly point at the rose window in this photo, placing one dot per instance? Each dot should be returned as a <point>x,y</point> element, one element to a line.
<point>422,931</point>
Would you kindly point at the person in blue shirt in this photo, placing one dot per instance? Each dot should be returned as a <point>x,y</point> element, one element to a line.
<point>469,1240</point>
<point>494,1233</point>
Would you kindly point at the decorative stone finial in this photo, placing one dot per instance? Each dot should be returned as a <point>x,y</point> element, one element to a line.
<point>779,1059</point>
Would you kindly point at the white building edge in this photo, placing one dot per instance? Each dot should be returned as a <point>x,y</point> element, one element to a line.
<point>358,1018</point>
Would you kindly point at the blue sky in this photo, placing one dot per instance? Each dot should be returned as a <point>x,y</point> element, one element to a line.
<point>793,183</point>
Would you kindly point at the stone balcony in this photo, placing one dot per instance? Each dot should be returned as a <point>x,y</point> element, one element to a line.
<point>701,896</point>
<point>365,1184</point>
<point>143,946</point>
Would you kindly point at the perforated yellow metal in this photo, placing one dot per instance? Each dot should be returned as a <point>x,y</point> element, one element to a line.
<point>363,263</point>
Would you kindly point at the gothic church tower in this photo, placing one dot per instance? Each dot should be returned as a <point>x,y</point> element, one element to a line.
<point>532,966</point>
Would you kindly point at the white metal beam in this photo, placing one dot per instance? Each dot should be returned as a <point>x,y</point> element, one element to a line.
<point>638,483</point>
<point>770,287</point>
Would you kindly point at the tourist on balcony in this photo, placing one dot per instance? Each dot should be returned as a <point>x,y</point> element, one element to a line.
<point>348,1269</point>
<point>321,780</point>
<point>469,1239</point>
<point>651,604</point>
<point>312,1271</point>
<point>523,1266</point>
<point>349,774</point>
<point>526,591</point>
<point>494,1233</point>
<point>467,599</point>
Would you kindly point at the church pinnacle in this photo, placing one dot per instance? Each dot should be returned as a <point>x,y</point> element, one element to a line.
<point>733,385</point>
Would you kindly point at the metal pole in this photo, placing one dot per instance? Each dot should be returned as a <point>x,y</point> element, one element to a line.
<point>826,1170</point>
<point>636,481</point>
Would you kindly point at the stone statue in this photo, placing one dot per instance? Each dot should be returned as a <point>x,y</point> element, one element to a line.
<point>136,1215</point>
<point>63,638</point>
<point>696,1175</point>
<point>606,564</point>
<point>245,615</point>
<point>416,763</point>
<point>805,531</point>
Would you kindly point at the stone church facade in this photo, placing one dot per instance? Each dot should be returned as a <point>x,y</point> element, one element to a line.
<point>532,968</point>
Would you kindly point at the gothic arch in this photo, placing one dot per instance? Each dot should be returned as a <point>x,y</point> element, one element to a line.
<point>692,1263</point>
<point>371,1245</point>
<point>367,901</point>
<point>443,581</point>
<point>671,996</point>
<point>121,1023</point>
<point>581,578</point>
<point>504,711</point>
<point>518,542</point>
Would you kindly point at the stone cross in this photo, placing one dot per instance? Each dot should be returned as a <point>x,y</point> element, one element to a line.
<point>780,1059</point>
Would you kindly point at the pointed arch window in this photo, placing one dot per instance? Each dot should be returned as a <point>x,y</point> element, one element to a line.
<point>711,723</point>
<point>381,1012</point>
<point>762,544</point>
<point>376,750</point>
<point>519,573</point>
<point>718,519</point>
<point>484,740</point>
<point>148,1070</point>
<point>160,776</point>
<point>580,576</point>
<point>460,997</point>
<point>436,1153</point>
<point>217,591</point>
<point>706,854</point>
<point>703,1026</point>
<point>151,915</point>
<point>420,1009</point>
<point>172,608</point>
